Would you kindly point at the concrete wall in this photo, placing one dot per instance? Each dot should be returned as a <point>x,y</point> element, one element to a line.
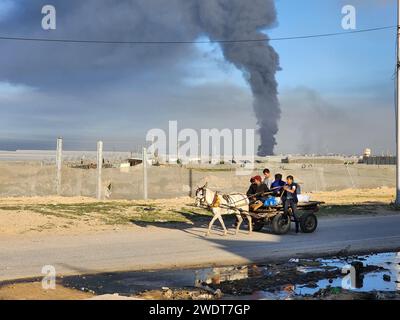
<point>316,160</point>
<point>380,160</point>
<point>28,179</point>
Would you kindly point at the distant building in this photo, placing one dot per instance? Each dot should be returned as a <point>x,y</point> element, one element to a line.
<point>134,162</point>
<point>369,159</point>
<point>367,153</point>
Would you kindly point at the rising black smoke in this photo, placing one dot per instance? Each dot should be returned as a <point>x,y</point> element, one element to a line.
<point>241,19</point>
<point>41,65</point>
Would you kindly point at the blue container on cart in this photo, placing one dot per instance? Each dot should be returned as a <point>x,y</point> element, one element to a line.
<point>271,202</point>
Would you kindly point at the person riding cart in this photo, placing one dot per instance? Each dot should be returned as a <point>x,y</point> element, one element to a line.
<point>258,190</point>
<point>290,200</point>
<point>257,193</point>
<point>277,186</point>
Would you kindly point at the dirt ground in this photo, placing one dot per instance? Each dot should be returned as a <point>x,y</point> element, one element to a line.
<point>77,215</point>
<point>382,196</point>
<point>34,291</point>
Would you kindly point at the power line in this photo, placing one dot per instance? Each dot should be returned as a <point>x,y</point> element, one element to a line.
<point>323,35</point>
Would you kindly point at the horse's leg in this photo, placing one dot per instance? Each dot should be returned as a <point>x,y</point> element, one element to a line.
<point>215,217</point>
<point>239,222</point>
<point>250,220</point>
<point>222,224</point>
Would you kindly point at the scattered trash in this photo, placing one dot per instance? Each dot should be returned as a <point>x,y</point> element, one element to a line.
<point>168,294</point>
<point>336,290</point>
<point>289,288</point>
<point>386,278</point>
<point>218,294</point>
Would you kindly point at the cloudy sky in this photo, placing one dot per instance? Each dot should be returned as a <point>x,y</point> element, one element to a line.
<point>336,94</point>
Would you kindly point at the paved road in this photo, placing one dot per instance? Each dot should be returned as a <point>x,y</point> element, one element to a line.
<point>154,248</point>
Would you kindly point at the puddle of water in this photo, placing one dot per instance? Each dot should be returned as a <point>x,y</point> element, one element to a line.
<point>383,280</point>
<point>379,272</point>
<point>371,282</point>
<point>131,283</point>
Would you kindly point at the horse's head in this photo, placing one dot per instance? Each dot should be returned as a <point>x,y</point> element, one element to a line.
<point>200,195</point>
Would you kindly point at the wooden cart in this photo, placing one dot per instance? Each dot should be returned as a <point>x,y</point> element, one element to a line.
<point>281,223</point>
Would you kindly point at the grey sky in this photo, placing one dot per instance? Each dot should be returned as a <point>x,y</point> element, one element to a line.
<point>118,92</point>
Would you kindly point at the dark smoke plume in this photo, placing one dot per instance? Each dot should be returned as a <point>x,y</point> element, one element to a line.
<point>40,65</point>
<point>239,19</point>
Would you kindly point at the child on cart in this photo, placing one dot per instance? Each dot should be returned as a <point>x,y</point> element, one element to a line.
<point>289,199</point>
<point>277,185</point>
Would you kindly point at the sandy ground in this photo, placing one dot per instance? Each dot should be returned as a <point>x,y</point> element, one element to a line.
<point>55,215</point>
<point>34,291</point>
<point>77,215</point>
<point>383,196</point>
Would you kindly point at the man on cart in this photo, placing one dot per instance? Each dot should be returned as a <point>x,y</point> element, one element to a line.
<point>257,193</point>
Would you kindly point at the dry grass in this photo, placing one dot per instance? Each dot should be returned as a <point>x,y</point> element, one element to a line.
<point>112,212</point>
<point>78,215</point>
<point>25,215</point>
<point>356,202</point>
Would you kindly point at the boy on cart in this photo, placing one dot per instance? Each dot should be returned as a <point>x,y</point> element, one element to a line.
<point>289,199</point>
<point>277,185</point>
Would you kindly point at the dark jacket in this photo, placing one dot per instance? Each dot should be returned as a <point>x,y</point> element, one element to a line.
<point>257,190</point>
<point>294,195</point>
<point>277,187</point>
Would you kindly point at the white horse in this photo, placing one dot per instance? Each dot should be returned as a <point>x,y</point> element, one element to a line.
<point>237,204</point>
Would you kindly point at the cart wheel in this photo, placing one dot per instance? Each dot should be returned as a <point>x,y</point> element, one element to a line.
<point>258,225</point>
<point>308,222</point>
<point>281,224</point>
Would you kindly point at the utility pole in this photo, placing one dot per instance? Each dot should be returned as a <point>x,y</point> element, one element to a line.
<point>398,108</point>
<point>99,193</point>
<point>145,190</point>
<point>59,165</point>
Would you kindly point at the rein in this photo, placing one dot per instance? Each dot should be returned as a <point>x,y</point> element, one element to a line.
<point>217,201</point>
